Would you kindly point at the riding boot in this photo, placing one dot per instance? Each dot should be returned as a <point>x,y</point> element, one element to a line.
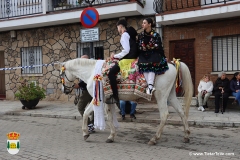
<point>113,82</point>
<point>114,97</point>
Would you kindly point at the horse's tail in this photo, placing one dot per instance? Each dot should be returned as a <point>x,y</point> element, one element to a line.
<point>187,87</point>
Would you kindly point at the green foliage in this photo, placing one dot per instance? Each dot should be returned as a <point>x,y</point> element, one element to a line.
<point>30,92</point>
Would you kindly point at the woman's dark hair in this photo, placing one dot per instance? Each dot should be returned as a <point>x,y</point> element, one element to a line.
<point>234,75</point>
<point>149,20</point>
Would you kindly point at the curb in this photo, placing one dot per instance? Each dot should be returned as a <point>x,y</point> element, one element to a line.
<point>138,120</point>
<point>190,122</point>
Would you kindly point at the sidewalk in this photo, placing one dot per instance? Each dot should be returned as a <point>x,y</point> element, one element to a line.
<point>146,113</point>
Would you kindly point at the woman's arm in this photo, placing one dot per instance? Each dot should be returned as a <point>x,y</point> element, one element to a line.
<point>232,86</point>
<point>200,87</point>
<point>210,89</point>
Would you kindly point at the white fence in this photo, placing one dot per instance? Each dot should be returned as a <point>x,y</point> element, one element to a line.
<point>16,8</point>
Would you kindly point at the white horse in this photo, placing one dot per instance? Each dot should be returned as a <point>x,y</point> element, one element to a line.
<point>165,91</point>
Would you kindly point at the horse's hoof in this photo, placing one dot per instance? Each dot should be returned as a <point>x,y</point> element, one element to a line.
<point>86,137</point>
<point>186,140</point>
<point>109,141</point>
<point>151,143</point>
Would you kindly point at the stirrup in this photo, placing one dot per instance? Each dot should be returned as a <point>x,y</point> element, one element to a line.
<point>111,100</point>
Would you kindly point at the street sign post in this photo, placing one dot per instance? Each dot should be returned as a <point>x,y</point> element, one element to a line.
<point>89,17</point>
<point>89,35</point>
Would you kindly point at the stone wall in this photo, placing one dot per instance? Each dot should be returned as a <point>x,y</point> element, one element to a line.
<point>58,43</point>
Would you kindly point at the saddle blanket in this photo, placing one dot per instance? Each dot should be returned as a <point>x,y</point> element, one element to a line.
<point>129,80</point>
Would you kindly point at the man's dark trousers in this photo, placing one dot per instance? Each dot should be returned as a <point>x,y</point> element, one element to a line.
<point>84,99</point>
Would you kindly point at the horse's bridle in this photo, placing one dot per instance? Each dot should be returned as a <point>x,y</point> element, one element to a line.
<point>66,88</point>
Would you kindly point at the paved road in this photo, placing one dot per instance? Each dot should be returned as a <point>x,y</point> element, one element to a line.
<point>61,139</point>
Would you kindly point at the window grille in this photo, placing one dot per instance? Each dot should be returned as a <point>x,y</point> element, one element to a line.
<point>226,53</point>
<point>92,49</point>
<point>31,56</point>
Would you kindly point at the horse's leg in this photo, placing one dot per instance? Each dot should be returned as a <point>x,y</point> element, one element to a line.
<point>179,108</point>
<point>162,105</point>
<point>87,112</point>
<point>109,108</point>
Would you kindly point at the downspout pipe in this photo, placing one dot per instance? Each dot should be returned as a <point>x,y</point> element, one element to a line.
<point>159,30</point>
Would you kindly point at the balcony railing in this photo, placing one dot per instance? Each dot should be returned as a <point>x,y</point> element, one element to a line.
<point>161,6</point>
<point>56,5</point>
<point>16,8</point>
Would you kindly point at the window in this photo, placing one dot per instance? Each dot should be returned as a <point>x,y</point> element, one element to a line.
<point>226,53</point>
<point>92,49</point>
<point>31,56</point>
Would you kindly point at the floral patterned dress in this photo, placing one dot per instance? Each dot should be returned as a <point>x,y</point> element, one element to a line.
<point>151,54</point>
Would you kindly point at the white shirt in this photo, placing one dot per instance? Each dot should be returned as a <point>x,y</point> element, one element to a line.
<point>208,86</point>
<point>125,44</point>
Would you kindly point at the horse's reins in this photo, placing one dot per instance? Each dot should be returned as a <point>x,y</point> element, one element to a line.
<point>62,75</point>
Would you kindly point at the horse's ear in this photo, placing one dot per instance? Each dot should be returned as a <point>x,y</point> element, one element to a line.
<point>57,66</point>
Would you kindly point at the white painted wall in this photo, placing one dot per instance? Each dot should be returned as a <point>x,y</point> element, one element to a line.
<point>148,8</point>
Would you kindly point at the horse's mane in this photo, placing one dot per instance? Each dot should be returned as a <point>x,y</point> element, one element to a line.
<point>80,62</point>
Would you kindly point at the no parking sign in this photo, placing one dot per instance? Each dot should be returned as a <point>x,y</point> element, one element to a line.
<point>89,17</point>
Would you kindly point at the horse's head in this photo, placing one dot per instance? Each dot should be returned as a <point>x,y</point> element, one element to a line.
<point>67,78</point>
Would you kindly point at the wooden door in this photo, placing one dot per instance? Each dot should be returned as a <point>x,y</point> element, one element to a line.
<point>2,77</point>
<point>184,50</point>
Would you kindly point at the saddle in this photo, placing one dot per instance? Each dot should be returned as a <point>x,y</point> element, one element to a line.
<point>129,80</point>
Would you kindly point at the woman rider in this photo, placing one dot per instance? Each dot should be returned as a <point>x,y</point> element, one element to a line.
<point>151,57</point>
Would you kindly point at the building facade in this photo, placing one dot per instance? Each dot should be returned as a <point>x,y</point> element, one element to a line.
<point>49,32</point>
<point>203,34</point>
